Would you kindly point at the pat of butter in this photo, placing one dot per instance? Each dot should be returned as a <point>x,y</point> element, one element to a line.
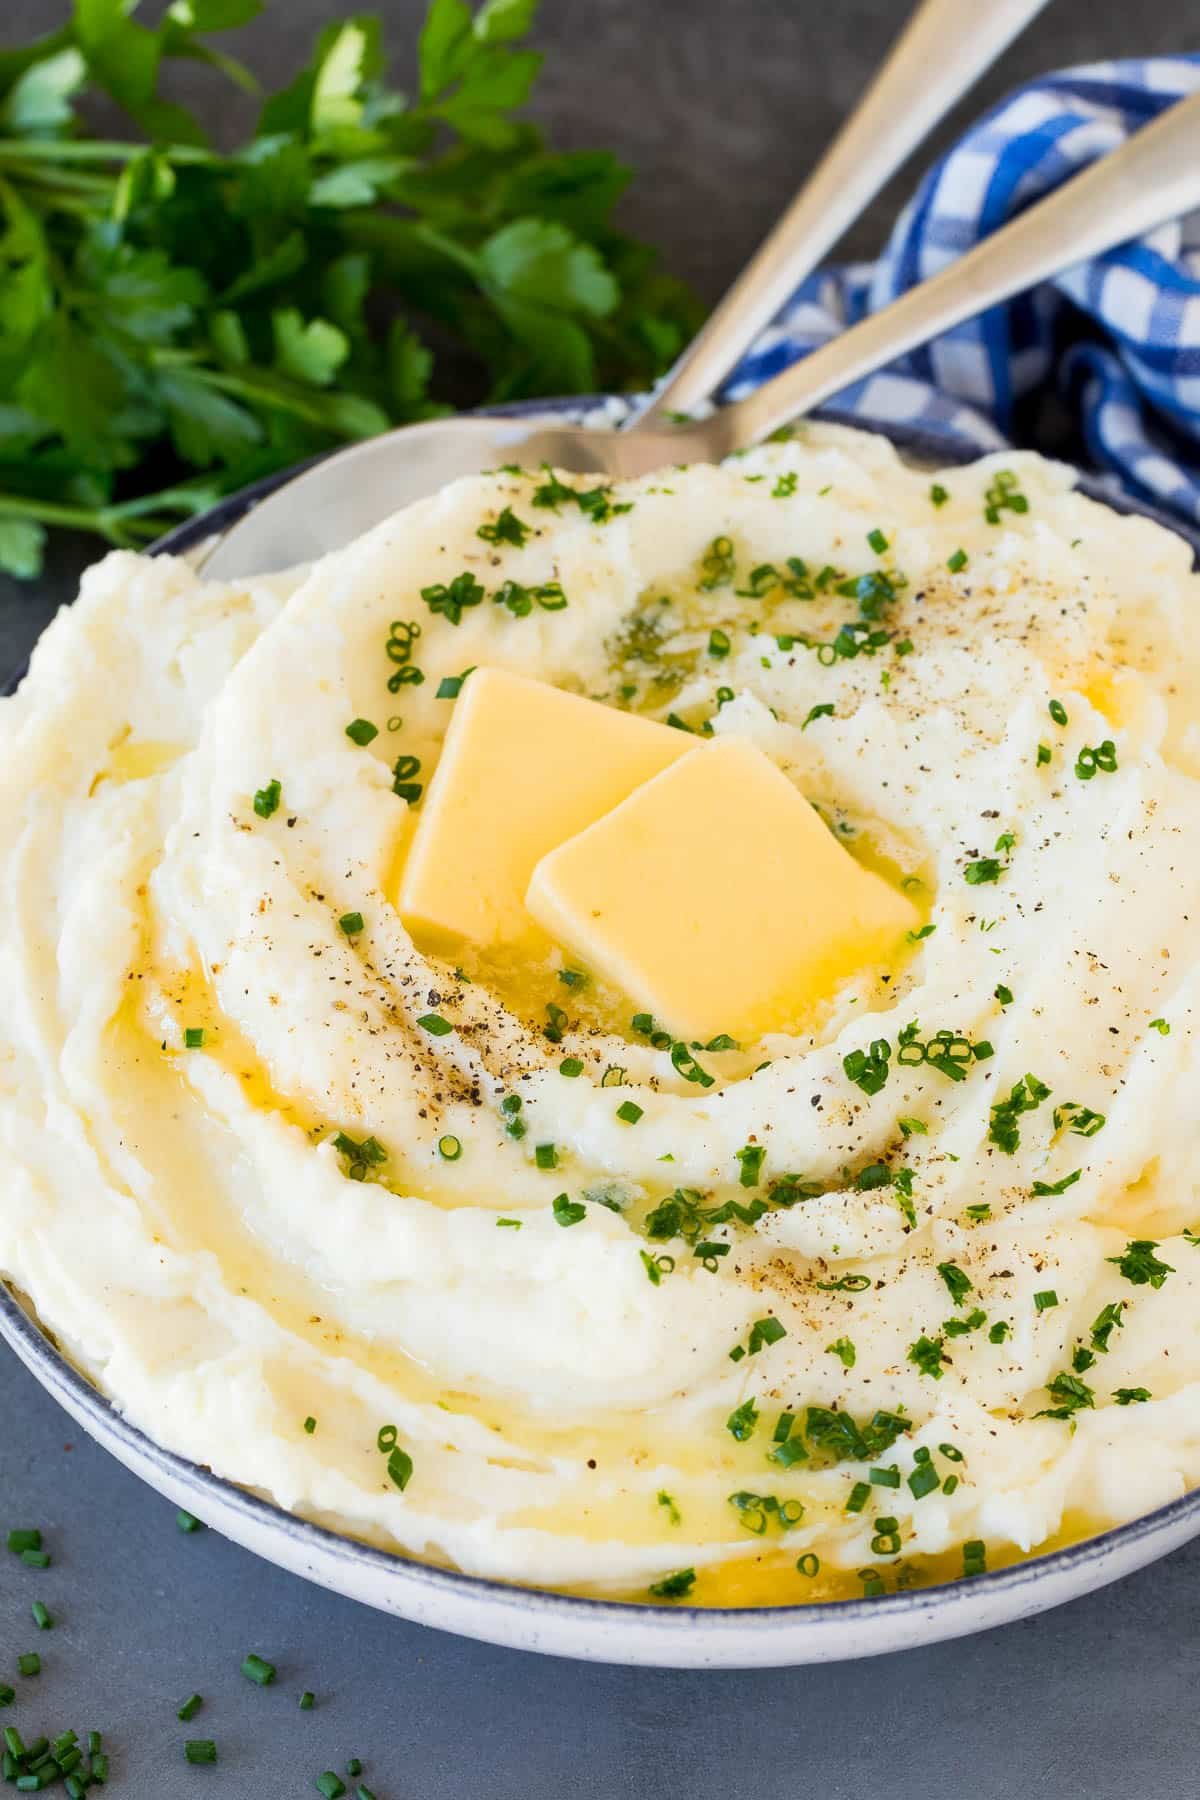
<point>524,766</point>
<point>716,898</point>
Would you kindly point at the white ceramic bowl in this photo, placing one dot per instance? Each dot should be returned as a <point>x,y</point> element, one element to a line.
<point>565,1625</point>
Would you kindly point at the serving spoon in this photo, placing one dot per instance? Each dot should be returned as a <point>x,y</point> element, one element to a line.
<point>1153,177</point>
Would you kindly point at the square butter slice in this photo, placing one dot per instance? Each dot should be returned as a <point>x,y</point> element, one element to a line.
<point>524,766</point>
<point>717,899</point>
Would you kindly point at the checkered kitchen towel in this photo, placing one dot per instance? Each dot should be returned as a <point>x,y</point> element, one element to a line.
<point>1113,347</point>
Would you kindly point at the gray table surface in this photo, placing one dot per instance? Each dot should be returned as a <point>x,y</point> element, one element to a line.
<point>720,104</point>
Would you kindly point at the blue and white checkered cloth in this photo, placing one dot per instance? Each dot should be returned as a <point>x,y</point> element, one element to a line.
<point>1115,344</point>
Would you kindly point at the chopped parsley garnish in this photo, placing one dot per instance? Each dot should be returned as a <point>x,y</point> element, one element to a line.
<point>928,1354</point>
<point>435,1025</point>
<point>999,1332</point>
<point>451,599</point>
<point>843,1348</point>
<point>957,562</point>
<point>1070,1394</point>
<point>567,1211</point>
<point>1046,1189</point>
<point>1131,1396</point>
<point>1139,1265</point>
<point>361,731</point>
<point>1100,759</point>
<point>1109,1319</point>
<point>742,1421</point>
<point>1003,994</point>
<point>824,711</point>
<point>1044,1299</point>
<point>507,529</point>
<point>1027,1095</point>
<point>1080,1120</point>
<point>570,1066</point>
<point>674,1587</point>
<point>266,800</point>
<point>958,1284</point>
<point>629,1112</point>
<point>785,485</point>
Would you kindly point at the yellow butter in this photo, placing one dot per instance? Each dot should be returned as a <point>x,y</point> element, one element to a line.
<point>524,766</point>
<point>717,899</point>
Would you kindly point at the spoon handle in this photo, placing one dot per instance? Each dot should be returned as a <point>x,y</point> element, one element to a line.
<point>1153,177</point>
<point>943,50</point>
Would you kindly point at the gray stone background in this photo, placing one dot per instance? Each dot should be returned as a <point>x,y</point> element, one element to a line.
<point>720,105</point>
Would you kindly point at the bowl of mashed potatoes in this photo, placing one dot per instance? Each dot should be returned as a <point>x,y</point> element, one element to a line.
<point>610,1067</point>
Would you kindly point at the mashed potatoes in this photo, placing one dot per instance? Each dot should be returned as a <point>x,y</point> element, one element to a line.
<point>921,1276</point>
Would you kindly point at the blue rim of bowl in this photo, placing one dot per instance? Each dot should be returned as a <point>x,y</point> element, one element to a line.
<point>60,1373</point>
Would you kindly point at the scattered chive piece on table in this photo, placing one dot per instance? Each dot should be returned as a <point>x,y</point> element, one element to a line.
<point>41,1617</point>
<point>187,1521</point>
<point>19,1540</point>
<point>190,1707</point>
<point>36,1559</point>
<point>30,1663</point>
<point>307,1700</point>
<point>255,1669</point>
<point>200,1750</point>
<point>354,1766</point>
<point>331,1785</point>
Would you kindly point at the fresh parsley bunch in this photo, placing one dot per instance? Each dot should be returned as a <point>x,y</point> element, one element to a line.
<point>176,322</point>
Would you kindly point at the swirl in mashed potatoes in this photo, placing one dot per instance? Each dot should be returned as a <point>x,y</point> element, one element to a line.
<point>906,1293</point>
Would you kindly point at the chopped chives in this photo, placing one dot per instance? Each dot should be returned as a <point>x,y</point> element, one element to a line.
<point>30,1663</point>
<point>19,1540</point>
<point>255,1669</point>
<point>100,1768</point>
<point>354,1766</point>
<point>546,1156</point>
<point>331,1785</point>
<point>435,1025</point>
<point>363,1793</point>
<point>41,1617</point>
<point>361,731</point>
<point>449,1148</point>
<point>310,1425</point>
<point>187,1521</point>
<point>859,1494</point>
<point>512,1224</point>
<point>629,1111</point>
<point>957,562</point>
<point>190,1707</point>
<point>567,1211</point>
<point>1044,1299</point>
<point>877,541</point>
<point>718,643</point>
<point>193,1037</point>
<point>938,494</point>
<point>200,1750</point>
<point>351,923</point>
<point>7,1694</point>
<point>307,1700</point>
<point>570,1066</point>
<point>1058,712</point>
<point>94,1743</point>
<point>36,1559</point>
